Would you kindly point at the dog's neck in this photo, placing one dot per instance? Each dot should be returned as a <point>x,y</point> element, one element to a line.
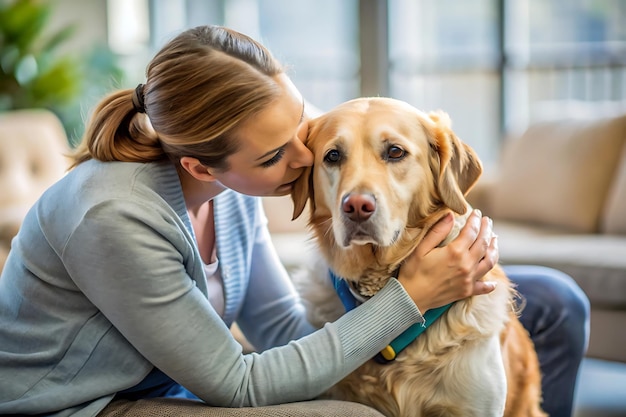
<point>367,268</point>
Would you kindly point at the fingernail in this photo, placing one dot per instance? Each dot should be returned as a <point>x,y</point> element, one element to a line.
<point>478,213</point>
<point>492,284</point>
<point>448,218</point>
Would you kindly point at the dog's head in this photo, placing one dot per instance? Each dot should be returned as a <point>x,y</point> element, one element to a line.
<point>382,167</point>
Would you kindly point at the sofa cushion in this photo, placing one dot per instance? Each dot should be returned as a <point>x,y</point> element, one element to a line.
<point>595,261</point>
<point>558,173</point>
<point>614,218</point>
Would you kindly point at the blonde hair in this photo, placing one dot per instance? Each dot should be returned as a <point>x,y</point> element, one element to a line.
<point>199,88</point>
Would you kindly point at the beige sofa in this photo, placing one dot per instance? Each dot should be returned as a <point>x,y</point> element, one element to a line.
<point>558,198</point>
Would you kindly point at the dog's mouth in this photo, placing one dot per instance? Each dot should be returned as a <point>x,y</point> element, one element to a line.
<point>364,234</point>
<point>358,233</point>
<point>358,238</point>
<point>359,242</point>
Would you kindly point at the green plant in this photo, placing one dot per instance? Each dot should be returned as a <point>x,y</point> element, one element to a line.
<point>32,73</point>
<point>100,74</point>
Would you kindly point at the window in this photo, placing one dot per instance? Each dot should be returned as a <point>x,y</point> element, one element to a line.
<point>316,40</point>
<point>564,56</point>
<point>443,54</point>
<point>497,65</point>
<point>493,65</point>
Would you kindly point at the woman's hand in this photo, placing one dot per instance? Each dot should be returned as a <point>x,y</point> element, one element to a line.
<point>435,276</point>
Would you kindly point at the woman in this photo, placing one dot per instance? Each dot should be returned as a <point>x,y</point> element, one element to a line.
<point>126,275</point>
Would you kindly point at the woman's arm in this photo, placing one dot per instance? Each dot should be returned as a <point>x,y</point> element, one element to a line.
<point>138,274</point>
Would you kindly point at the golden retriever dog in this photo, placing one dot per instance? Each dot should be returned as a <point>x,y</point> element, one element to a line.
<point>383,174</point>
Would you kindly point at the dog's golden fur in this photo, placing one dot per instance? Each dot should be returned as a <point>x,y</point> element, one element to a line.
<point>411,169</point>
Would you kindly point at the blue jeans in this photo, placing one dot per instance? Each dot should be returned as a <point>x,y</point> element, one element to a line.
<point>557,317</point>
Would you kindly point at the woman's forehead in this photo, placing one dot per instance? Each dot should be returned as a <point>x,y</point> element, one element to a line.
<point>275,125</point>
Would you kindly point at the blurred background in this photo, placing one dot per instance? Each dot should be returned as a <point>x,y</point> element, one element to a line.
<point>496,66</point>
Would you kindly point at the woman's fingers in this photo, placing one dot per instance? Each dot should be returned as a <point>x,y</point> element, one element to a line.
<point>486,264</point>
<point>484,250</point>
<point>436,235</point>
<point>436,276</point>
<point>476,238</point>
<point>481,244</point>
<point>470,232</point>
<point>484,287</point>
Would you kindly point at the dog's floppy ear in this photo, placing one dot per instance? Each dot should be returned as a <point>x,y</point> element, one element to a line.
<point>455,165</point>
<point>302,192</point>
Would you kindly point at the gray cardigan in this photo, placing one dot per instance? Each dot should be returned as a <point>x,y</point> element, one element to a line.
<point>104,282</point>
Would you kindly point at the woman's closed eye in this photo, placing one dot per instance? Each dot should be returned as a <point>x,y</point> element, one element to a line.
<point>275,159</point>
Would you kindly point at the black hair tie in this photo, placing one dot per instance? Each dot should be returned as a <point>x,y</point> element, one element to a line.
<point>138,103</point>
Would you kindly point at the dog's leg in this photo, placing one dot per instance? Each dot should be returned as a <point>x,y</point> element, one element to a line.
<point>491,387</point>
<point>479,377</point>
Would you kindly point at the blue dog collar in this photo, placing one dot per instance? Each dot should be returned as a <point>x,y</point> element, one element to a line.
<point>388,354</point>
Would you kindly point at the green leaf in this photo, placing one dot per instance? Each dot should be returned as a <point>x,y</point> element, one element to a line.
<point>24,22</point>
<point>33,73</point>
<point>26,69</point>
<point>59,84</point>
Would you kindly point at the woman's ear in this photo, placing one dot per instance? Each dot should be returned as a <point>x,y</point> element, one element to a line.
<point>196,169</point>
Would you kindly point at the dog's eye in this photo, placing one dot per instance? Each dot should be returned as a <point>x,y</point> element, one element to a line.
<point>395,153</point>
<point>332,156</point>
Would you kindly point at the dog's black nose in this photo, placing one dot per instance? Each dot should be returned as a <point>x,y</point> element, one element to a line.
<point>358,207</point>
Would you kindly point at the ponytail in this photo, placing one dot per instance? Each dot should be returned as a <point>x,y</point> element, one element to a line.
<point>118,132</point>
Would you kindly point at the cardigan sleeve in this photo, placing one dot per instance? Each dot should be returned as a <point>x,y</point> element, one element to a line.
<point>134,263</point>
